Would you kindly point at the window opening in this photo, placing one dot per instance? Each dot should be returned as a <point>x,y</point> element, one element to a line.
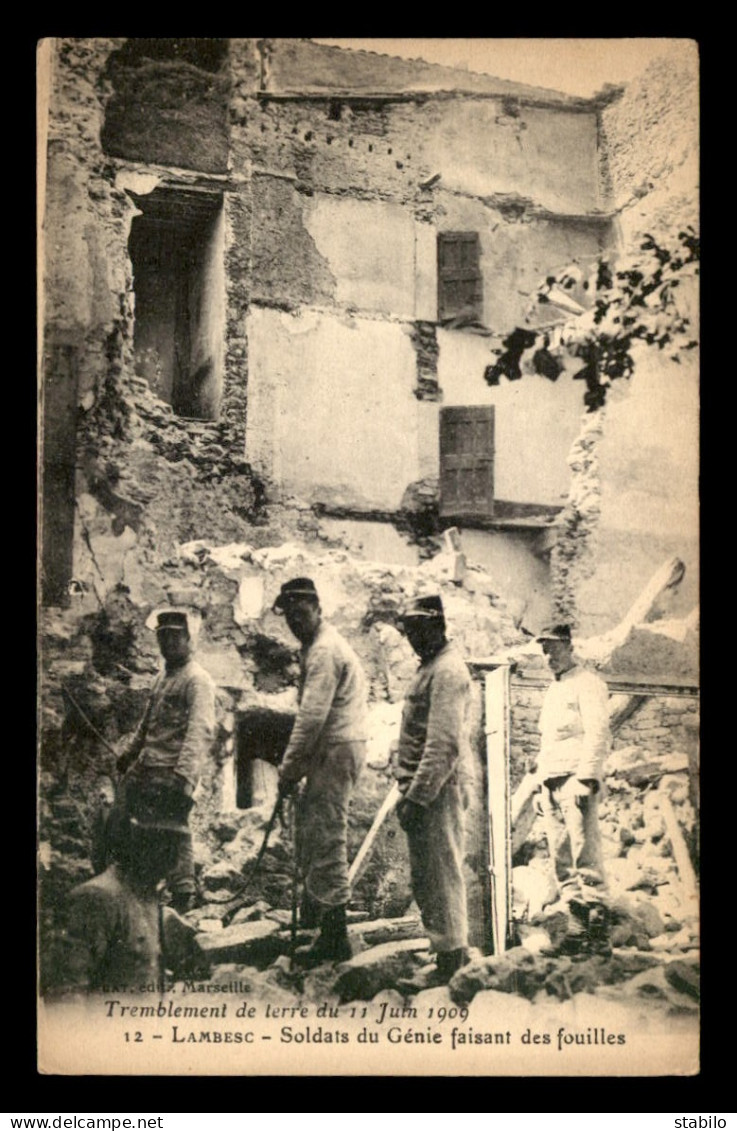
<point>176,249</point>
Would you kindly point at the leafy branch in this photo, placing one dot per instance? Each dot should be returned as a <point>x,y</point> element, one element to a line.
<point>648,296</point>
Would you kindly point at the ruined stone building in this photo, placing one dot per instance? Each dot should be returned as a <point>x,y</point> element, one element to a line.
<point>275,275</point>
<point>317,251</point>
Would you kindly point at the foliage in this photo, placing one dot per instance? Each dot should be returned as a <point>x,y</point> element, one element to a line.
<point>647,297</point>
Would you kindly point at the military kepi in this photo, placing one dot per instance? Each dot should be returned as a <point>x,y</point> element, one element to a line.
<point>430,606</point>
<point>171,619</point>
<point>555,632</point>
<point>293,590</point>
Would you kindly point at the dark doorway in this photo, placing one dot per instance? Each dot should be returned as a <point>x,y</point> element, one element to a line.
<point>260,734</point>
<point>176,248</point>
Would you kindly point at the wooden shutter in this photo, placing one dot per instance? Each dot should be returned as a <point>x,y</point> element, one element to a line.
<point>467,461</point>
<point>459,275</point>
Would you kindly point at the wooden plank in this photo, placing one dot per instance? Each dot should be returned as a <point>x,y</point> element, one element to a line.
<point>680,851</point>
<point>383,812</point>
<point>496,715</point>
<point>523,813</point>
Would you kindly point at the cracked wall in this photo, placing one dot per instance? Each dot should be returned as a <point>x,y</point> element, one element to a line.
<point>634,498</point>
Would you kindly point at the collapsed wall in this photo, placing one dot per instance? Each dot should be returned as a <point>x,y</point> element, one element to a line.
<point>634,489</point>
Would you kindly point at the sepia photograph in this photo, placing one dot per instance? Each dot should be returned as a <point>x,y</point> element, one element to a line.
<point>368,567</point>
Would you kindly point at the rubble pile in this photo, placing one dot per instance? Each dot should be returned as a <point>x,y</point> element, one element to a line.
<point>651,956</point>
<point>100,662</point>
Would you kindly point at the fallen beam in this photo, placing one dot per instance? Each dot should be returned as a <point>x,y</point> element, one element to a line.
<point>599,649</point>
<point>678,844</point>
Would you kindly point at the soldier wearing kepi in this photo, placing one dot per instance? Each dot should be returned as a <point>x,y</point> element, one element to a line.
<point>574,743</point>
<point>168,750</point>
<point>432,771</point>
<point>327,748</point>
<point>118,934</point>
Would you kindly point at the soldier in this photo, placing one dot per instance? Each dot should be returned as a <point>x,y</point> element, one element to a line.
<point>574,742</point>
<point>433,763</point>
<point>327,748</point>
<point>168,749</point>
<point>118,933</point>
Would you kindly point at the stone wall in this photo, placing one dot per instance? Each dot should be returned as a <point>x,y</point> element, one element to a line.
<point>650,145</point>
<point>634,495</point>
<point>662,725</point>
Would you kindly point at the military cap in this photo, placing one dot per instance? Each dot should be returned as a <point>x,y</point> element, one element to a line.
<point>430,606</point>
<point>298,587</point>
<point>176,616</point>
<point>555,632</point>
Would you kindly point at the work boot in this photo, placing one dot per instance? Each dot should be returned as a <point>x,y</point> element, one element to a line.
<point>332,944</point>
<point>309,912</point>
<point>448,962</point>
<point>599,942</point>
<point>575,940</point>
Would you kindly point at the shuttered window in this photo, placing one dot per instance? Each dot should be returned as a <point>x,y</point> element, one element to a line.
<point>459,276</point>
<point>467,461</point>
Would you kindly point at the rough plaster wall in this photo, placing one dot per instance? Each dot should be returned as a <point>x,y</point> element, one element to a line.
<point>351,378</point>
<point>87,284</point>
<point>648,463</point>
<point>518,250</point>
<point>377,541</point>
<point>355,154</point>
<point>544,155</point>
<point>288,266</point>
<point>384,148</point>
<point>369,247</point>
<point>520,572</point>
<point>86,280</point>
<point>535,422</point>
<point>648,454</point>
<point>650,140</point>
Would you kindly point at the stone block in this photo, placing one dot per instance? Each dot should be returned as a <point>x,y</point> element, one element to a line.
<point>685,977</point>
<point>378,931</point>
<point>378,968</point>
<point>237,943</point>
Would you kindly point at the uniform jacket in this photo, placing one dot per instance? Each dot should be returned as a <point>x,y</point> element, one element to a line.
<point>177,729</point>
<point>113,936</point>
<point>332,701</point>
<point>574,726</point>
<point>434,741</point>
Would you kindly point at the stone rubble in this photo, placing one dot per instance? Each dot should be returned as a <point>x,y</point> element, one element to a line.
<point>253,659</point>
